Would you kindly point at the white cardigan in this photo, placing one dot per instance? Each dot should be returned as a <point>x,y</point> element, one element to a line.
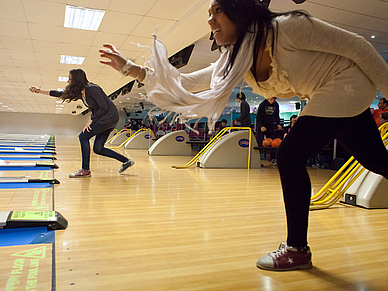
<point>336,70</point>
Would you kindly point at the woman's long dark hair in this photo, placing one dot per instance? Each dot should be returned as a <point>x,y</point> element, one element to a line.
<point>248,14</point>
<point>78,83</point>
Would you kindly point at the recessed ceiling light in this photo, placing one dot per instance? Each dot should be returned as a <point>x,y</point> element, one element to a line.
<point>72,60</point>
<point>373,36</point>
<point>63,79</point>
<point>83,18</point>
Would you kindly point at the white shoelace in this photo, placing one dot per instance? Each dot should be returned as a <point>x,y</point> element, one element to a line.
<point>281,251</point>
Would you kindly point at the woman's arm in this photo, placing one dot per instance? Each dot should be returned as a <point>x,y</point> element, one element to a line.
<point>39,91</point>
<point>120,63</point>
<point>192,82</point>
<point>53,93</point>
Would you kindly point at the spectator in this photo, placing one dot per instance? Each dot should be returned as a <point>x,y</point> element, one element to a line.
<point>245,117</point>
<point>267,118</point>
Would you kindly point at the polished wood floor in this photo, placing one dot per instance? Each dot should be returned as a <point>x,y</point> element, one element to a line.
<point>158,228</point>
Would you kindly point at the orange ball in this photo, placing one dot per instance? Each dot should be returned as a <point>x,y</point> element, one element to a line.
<point>276,142</point>
<point>267,142</point>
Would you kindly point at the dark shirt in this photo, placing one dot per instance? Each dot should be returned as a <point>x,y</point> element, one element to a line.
<point>267,114</point>
<point>245,117</point>
<point>103,109</point>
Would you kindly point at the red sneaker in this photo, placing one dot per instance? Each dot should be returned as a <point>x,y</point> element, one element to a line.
<point>286,258</point>
<point>81,173</point>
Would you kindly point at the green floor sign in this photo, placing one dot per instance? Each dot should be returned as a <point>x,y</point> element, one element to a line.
<point>34,215</point>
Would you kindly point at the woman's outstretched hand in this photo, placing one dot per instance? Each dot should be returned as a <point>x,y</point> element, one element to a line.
<point>116,60</point>
<point>34,89</point>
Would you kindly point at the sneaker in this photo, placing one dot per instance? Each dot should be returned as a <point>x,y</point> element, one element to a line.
<point>81,173</point>
<point>286,258</point>
<point>126,165</point>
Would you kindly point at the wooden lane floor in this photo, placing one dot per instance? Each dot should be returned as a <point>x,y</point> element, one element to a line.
<point>158,228</point>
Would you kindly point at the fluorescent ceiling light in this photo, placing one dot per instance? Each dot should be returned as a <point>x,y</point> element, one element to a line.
<point>72,60</point>
<point>63,79</point>
<point>83,18</point>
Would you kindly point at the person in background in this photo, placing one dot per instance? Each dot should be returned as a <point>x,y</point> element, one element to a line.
<point>383,107</point>
<point>383,118</point>
<point>128,123</point>
<point>245,116</point>
<point>267,118</point>
<point>287,129</point>
<point>222,126</point>
<point>103,120</point>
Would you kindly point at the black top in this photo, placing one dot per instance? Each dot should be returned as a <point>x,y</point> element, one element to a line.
<point>245,117</point>
<point>103,109</point>
<point>267,114</point>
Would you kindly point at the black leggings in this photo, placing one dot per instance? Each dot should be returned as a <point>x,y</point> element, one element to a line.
<point>359,136</point>
<point>101,131</point>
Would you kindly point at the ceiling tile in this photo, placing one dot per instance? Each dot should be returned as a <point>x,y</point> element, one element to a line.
<point>94,4</point>
<point>132,6</point>
<point>47,58</point>
<point>171,9</point>
<point>12,28</point>
<point>149,25</point>
<point>12,10</point>
<point>106,37</point>
<point>137,43</point>
<point>27,66</point>
<point>121,23</point>
<point>46,32</point>
<point>20,44</point>
<point>43,12</point>
<point>19,55</point>
<point>358,5</point>
<point>78,36</point>
<point>45,46</point>
<point>4,54</point>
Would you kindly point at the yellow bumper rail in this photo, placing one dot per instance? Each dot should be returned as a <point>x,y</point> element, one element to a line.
<point>212,141</point>
<point>337,186</point>
<point>141,129</point>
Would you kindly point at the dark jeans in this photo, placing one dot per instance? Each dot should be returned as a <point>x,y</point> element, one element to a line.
<point>101,131</point>
<point>358,135</point>
<point>260,135</point>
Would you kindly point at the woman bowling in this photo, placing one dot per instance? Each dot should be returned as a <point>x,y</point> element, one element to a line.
<point>103,120</point>
<point>280,55</point>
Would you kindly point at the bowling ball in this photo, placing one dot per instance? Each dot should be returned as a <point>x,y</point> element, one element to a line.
<point>267,142</point>
<point>276,142</point>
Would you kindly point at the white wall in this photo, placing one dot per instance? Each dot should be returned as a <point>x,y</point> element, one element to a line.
<point>35,123</point>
